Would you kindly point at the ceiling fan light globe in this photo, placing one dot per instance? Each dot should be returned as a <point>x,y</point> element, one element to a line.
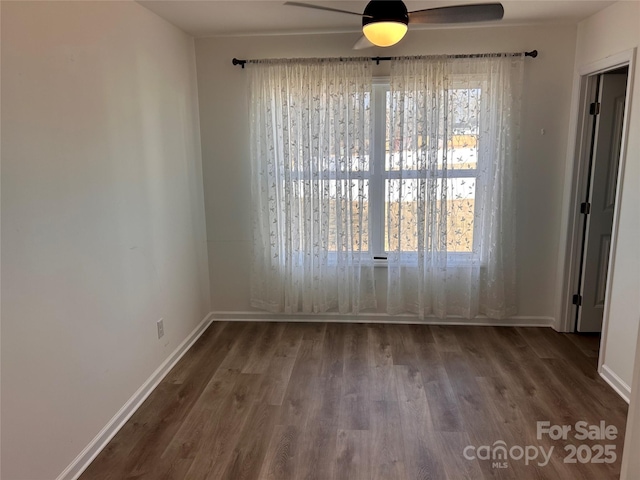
<point>385,33</point>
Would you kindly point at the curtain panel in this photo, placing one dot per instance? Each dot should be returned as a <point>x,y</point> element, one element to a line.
<point>310,125</point>
<point>452,129</point>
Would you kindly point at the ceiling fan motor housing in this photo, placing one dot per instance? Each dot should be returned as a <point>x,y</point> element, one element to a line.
<point>385,11</point>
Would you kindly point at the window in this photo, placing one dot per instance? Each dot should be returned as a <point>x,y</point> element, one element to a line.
<point>418,169</point>
<point>374,180</point>
<point>457,171</point>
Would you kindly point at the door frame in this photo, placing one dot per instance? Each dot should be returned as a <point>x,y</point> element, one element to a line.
<point>576,181</point>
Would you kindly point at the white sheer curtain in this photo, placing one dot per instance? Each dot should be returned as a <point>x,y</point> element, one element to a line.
<point>310,130</point>
<point>450,227</point>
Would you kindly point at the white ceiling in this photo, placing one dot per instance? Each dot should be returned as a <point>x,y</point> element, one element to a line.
<point>206,18</point>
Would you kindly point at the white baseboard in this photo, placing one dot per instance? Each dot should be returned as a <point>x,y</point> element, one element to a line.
<point>91,451</point>
<point>616,382</point>
<point>516,321</point>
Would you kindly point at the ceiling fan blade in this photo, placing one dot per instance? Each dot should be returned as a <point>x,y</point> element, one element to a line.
<point>319,7</point>
<point>482,12</point>
<point>363,43</point>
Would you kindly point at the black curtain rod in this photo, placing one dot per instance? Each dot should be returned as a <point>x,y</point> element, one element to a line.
<point>532,54</point>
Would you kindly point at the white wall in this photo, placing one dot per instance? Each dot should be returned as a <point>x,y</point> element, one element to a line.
<point>223,111</point>
<point>102,219</point>
<point>613,30</point>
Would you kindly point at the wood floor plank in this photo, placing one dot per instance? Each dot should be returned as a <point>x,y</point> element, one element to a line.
<point>380,354</point>
<point>446,415</point>
<point>318,440</point>
<point>477,352</point>
<point>310,354</point>
<point>381,372</point>
<point>318,446</point>
<point>412,398</point>
<point>403,349</point>
<point>445,338</point>
<point>316,401</point>
<point>352,456</point>
<point>538,342</point>
<point>512,364</point>
<point>514,427</point>
<point>356,348</point>
<point>238,357</point>
<point>588,343</point>
<point>184,369</point>
<point>304,376</point>
<point>281,454</point>
<point>333,351</point>
<point>568,351</point>
<point>355,406</point>
<point>476,409</point>
<point>277,375</point>
<point>222,431</point>
<point>548,385</point>
<point>471,402</point>
<point>456,466</point>
<point>248,455</point>
<point>605,402</point>
<point>422,458</point>
<point>387,443</point>
<point>262,351</point>
<point>183,447</point>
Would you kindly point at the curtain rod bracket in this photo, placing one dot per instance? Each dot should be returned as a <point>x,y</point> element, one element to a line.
<point>235,61</point>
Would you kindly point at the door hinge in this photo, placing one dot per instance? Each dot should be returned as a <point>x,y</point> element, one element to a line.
<point>585,208</point>
<point>594,108</point>
<point>577,299</point>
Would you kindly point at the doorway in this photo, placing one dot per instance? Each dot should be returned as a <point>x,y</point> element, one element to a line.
<point>592,205</point>
<point>607,113</point>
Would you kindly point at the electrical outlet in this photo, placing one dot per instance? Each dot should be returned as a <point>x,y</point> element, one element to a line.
<point>160,325</point>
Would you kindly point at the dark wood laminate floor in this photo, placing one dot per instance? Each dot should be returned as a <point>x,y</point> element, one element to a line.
<point>362,401</point>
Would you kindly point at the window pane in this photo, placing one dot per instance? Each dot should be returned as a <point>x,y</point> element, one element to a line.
<point>464,114</point>
<point>346,212</point>
<point>408,209</point>
<point>340,141</point>
<point>404,147</point>
<point>461,197</point>
<point>462,153</point>
<point>464,110</point>
<point>454,143</point>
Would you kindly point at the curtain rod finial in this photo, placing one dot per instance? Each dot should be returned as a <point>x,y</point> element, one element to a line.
<point>235,61</point>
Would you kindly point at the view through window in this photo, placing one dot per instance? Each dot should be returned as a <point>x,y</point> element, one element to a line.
<point>379,193</point>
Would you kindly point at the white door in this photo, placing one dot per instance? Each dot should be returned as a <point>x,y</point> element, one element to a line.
<point>604,177</point>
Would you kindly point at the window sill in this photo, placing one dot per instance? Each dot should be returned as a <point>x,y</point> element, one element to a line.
<point>455,261</point>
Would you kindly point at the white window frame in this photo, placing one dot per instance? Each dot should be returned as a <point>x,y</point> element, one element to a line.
<point>377,171</point>
<point>378,175</point>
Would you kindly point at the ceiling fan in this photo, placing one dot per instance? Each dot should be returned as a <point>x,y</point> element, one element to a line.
<point>385,22</point>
